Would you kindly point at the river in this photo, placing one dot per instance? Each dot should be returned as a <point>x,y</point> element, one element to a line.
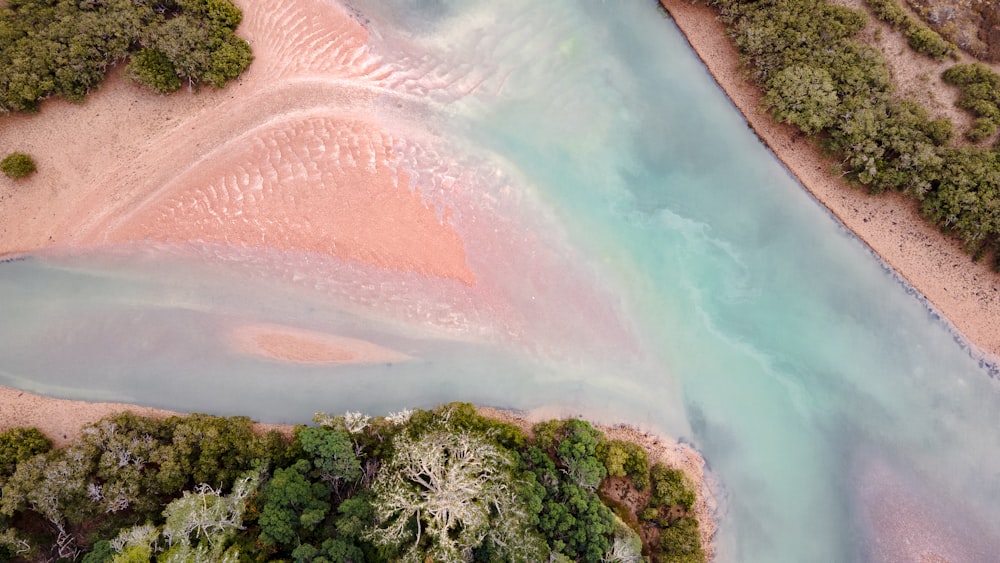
<point>650,263</point>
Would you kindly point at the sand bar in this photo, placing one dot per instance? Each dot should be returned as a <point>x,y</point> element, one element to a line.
<point>288,344</point>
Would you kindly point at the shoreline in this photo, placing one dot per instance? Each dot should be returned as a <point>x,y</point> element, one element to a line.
<point>664,449</point>
<point>963,293</point>
<point>62,420</point>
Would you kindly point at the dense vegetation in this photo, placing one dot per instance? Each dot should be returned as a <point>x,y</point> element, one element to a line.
<point>816,76</point>
<point>17,165</point>
<point>972,25</point>
<point>920,37</point>
<point>980,95</point>
<point>65,47</point>
<point>441,485</point>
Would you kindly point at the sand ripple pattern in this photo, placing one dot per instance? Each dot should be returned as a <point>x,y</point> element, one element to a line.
<point>318,184</point>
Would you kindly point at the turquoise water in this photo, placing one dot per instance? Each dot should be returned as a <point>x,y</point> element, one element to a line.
<point>659,267</point>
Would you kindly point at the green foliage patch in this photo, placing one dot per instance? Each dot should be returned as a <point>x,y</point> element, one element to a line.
<point>444,484</point>
<point>17,165</point>
<point>65,47</point>
<point>980,95</point>
<point>817,77</point>
<point>18,445</point>
<point>920,37</point>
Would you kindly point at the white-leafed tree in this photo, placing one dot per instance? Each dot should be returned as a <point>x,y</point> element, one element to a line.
<point>444,494</point>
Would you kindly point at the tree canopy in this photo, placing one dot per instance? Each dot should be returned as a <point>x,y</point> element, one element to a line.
<point>65,47</point>
<point>444,484</point>
<point>817,76</point>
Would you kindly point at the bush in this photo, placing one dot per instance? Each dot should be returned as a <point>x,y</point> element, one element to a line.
<point>889,11</point>
<point>152,68</point>
<point>881,141</point>
<point>939,131</point>
<point>64,48</point>
<point>681,543</point>
<point>670,488</point>
<point>19,444</point>
<point>17,165</point>
<point>625,459</point>
<point>928,42</point>
<point>982,128</point>
<point>920,37</point>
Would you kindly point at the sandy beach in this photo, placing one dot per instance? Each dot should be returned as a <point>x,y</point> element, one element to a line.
<point>966,293</point>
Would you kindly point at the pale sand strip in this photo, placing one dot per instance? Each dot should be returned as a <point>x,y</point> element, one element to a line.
<point>967,293</point>
<point>61,420</point>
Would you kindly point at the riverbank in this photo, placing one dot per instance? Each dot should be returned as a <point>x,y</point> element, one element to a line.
<point>62,421</point>
<point>670,452</point>
<point>965,292</point>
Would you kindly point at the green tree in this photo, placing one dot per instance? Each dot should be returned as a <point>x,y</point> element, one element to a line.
<point>572,519</point>
<point>625,459</point>
<point>293,505</point>
<point>332,455</point>
<point>680,542</point>
<point>152,68</point>
<point>19,444</point>
<point>804,96</point>
<point>578,453</point>
<point>671,487</point>
<point>18,165</point>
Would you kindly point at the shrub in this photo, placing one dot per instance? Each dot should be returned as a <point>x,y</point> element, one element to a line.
<point>920,37</point>
<point>982,129</point>
<point>939,131</point>
<point>670,488</point>
<point>65,48</point>
<point>928,42</point>
<point>152,68</point>
<point>625,459</point>
<point>888,11</point>
<point>17,165</point>
<point>19,444</point>
<point>680,542</point>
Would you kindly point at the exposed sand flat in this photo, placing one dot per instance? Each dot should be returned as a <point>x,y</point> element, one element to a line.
<point>278,159</point>
<point>967,293</point>
<point>290,344</point>
<point>319,184</point>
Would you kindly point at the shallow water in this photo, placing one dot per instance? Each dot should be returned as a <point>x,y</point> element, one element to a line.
<point>657,267</point>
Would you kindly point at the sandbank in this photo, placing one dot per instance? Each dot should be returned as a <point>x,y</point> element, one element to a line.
<point>287,344</point>
<point>965,292</point>
<point>289,156</point>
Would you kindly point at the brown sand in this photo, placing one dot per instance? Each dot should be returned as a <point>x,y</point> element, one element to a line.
<point>288,157</point>
<point>61,420</point>
<point>967,293</point>
<point>665,450</point>
<point>289,344</point>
